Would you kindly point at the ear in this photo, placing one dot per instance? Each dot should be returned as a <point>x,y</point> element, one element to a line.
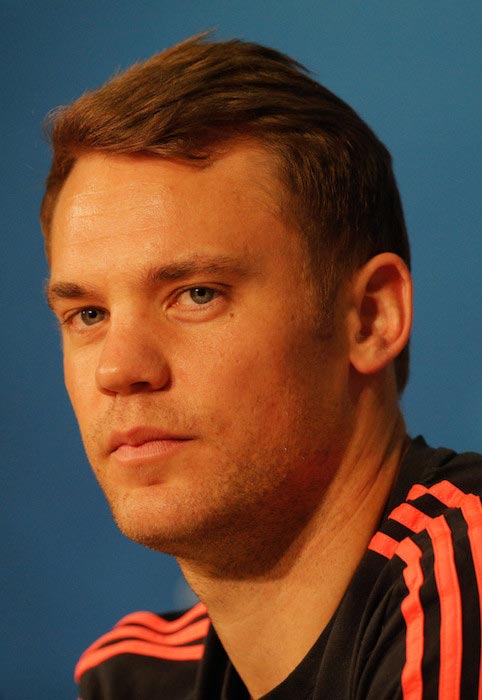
<point>381,314</point>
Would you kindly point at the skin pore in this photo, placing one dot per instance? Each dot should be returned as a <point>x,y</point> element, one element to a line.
<point>222,423</point>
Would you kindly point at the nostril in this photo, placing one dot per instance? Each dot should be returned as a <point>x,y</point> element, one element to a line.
<point>137,387</point>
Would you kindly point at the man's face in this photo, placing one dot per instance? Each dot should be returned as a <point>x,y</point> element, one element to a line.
<point>210,402</point>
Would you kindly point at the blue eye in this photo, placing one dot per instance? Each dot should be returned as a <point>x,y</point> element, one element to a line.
<point>91,316</point>
<point>201,295</point>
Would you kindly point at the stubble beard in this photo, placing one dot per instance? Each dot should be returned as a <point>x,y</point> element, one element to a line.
<point>241,529</point>
<point>241,506</point>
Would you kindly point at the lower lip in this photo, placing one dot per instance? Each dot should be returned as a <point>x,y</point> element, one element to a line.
<point>154,449</point>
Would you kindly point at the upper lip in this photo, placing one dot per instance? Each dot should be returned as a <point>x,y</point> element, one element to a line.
<point>139,435</point>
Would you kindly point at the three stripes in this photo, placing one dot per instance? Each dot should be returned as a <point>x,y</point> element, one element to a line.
<point>148,634</point>
<point>447,581</point>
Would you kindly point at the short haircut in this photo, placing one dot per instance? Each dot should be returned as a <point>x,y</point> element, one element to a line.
<point>188,101</point>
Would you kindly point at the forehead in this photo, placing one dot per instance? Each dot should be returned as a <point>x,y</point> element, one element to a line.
<point>118,216</point>
<point>245,173</point>
<point>107,198</point>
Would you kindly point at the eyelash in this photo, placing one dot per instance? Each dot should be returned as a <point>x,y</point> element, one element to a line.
<point>68,320</point>
<point>217,294</point>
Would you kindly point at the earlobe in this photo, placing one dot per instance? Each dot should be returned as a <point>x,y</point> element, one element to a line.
<point>381,316</point>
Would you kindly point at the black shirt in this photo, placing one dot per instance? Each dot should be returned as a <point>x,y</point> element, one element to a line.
<point>408,626</point>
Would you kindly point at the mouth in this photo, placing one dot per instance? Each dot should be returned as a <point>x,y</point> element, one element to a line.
<point>144,444</point>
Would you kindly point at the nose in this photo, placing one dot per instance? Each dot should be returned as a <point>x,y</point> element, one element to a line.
<point>131,361</point>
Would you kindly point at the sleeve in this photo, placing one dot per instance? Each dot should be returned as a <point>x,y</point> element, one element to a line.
<point>145,656</point>
<point>428,641</point>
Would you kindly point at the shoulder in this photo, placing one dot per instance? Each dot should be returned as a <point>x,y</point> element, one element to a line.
<point>143,653</point>
<point>428,466</point>
<point>438,519</point>
<point>431,484</point>
<point>429,590</point>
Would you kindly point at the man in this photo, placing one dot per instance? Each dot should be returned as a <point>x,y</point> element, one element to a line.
<point>230,270</point>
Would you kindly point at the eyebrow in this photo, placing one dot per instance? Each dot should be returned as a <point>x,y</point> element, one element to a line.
<point>199,265</point>
<point>172,272</point>
<point>65,290</point>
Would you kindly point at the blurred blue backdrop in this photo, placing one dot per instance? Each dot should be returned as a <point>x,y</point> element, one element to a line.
<point>411,69</point>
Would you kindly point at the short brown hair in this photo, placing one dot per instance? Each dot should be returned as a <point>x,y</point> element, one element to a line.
<point>189,100</point>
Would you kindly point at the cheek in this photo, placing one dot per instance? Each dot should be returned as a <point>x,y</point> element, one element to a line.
<point>260,385</point>
<point>79,379</point>
<point>71,382</point>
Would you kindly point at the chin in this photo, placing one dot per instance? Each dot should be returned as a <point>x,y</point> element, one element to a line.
<point>160,539</point>
<point>156,525</point>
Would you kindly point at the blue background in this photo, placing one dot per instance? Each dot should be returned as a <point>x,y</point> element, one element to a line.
<point>411,69</point>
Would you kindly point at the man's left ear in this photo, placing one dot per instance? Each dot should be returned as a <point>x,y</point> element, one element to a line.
<point>380,317</point>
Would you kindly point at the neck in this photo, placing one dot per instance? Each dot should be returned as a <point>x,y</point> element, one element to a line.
<point>252,612</point>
